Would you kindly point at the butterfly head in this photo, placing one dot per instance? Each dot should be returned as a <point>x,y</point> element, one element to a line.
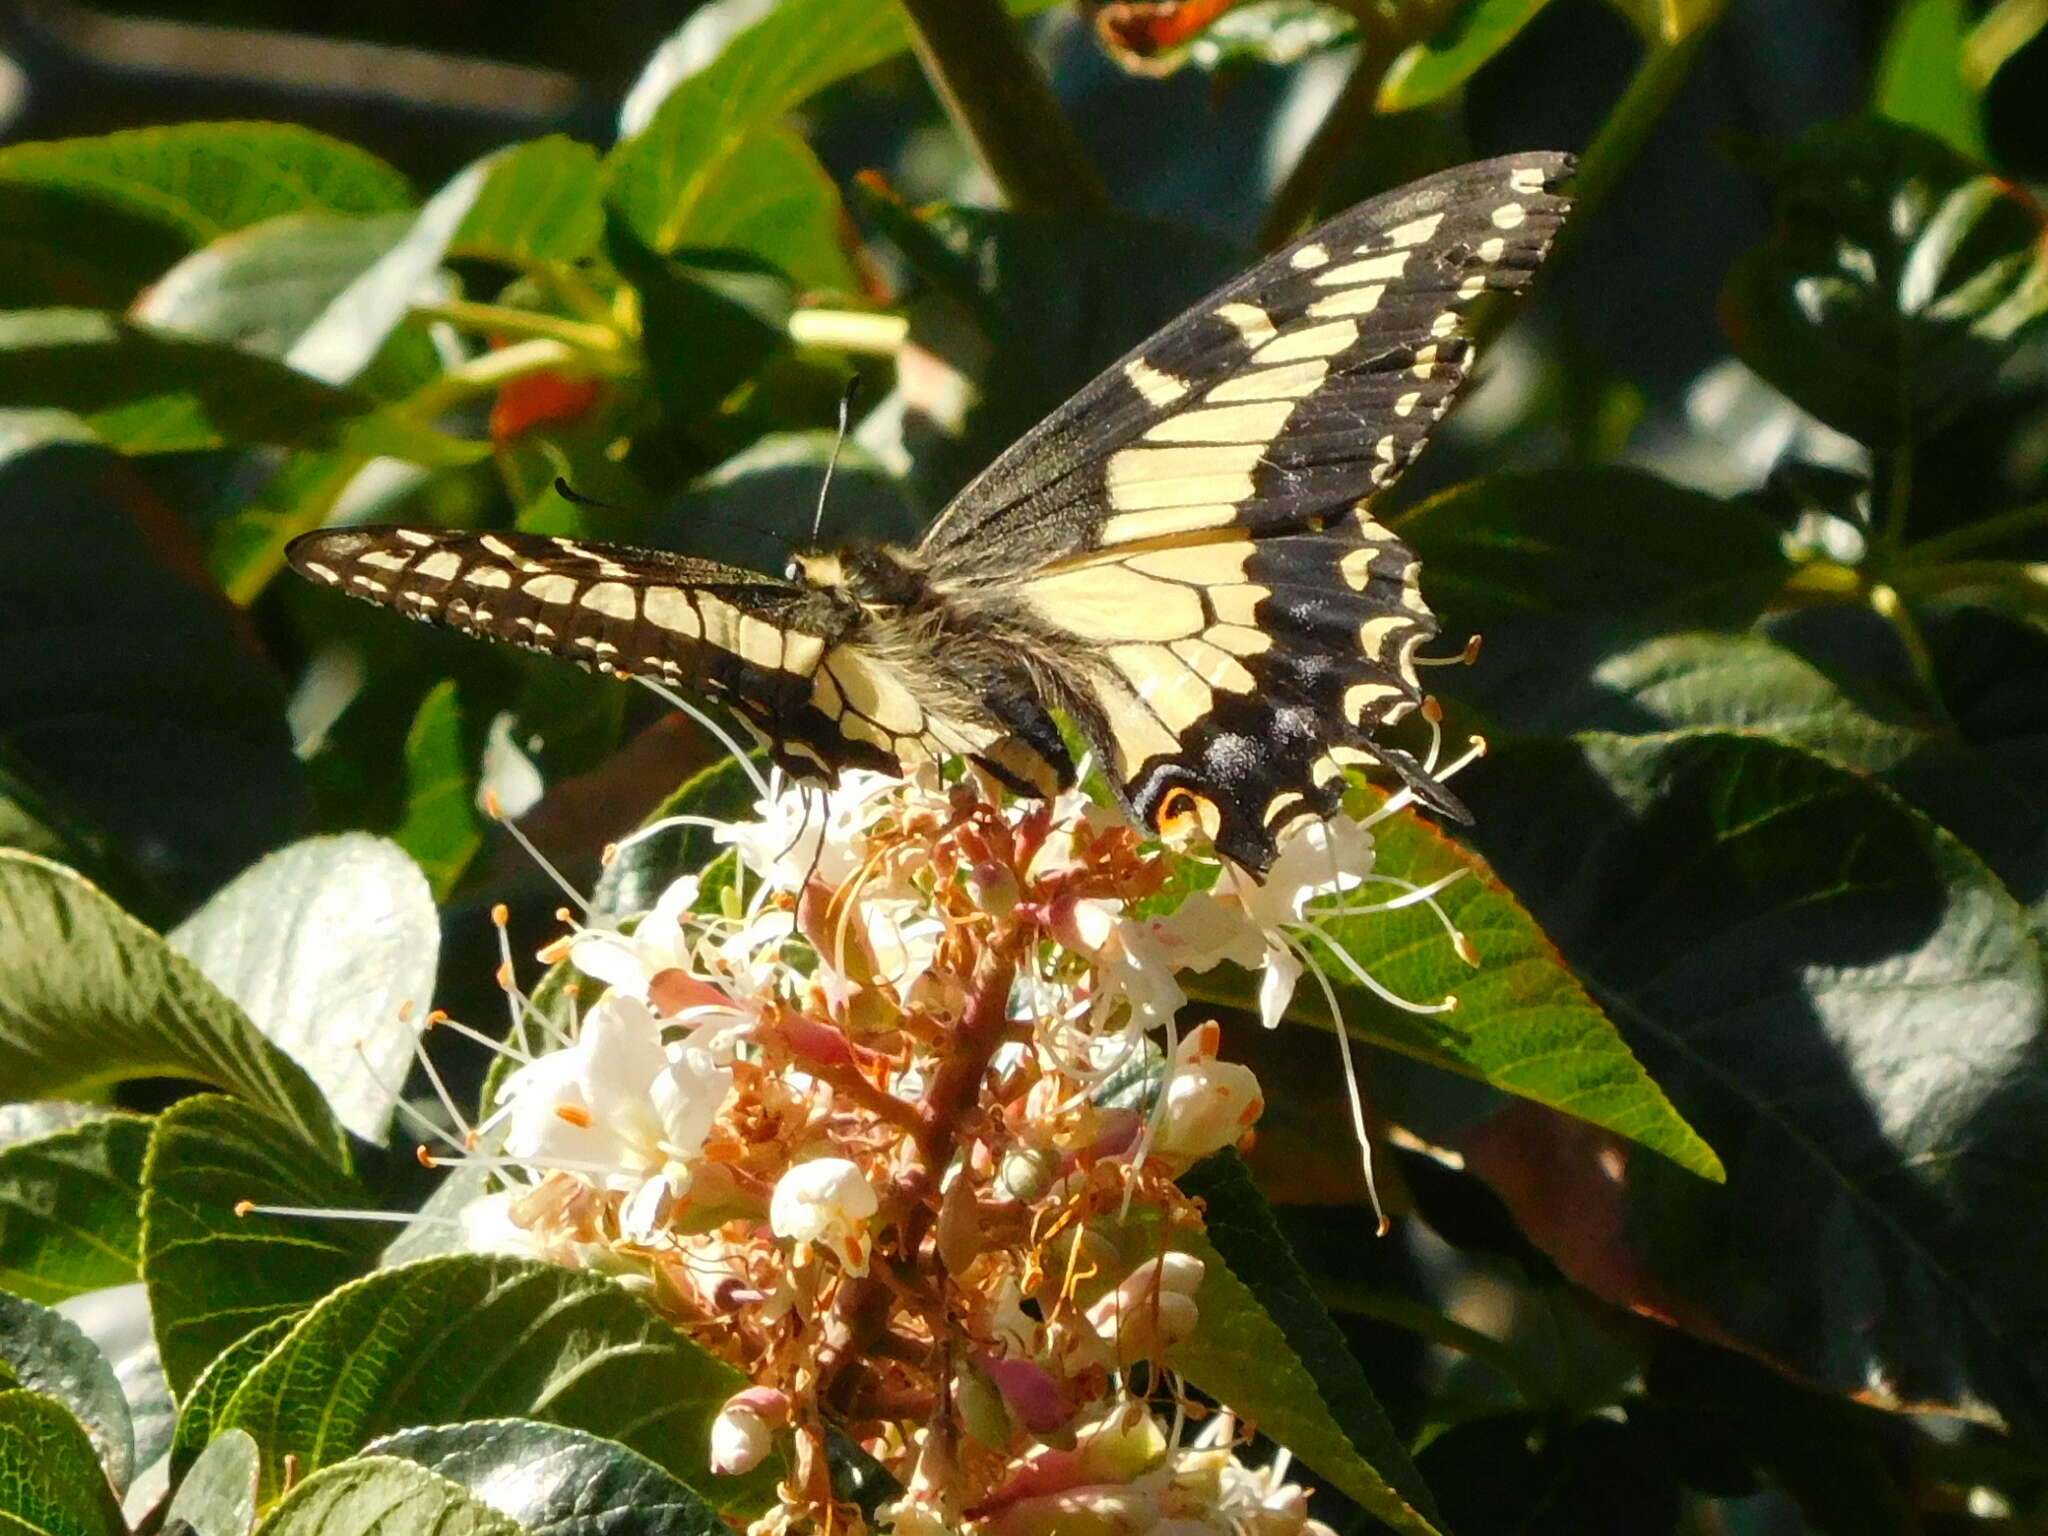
<point>873,575</point>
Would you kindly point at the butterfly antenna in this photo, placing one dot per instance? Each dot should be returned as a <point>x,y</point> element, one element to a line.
<point>845,415</point>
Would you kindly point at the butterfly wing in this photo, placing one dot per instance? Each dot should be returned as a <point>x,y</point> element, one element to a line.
<point>1195,519</point>
<point>752,640</point>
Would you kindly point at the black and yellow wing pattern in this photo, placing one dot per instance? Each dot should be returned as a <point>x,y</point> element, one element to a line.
<point>1182,559</point>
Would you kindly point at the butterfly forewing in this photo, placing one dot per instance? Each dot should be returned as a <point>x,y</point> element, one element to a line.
<point>752,640</point>
<point>1293,392</point>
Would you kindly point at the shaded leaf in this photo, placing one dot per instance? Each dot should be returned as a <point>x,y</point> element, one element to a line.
<point>46,1352</point>
<point>375,1495</point>
<point>329,946</point>
<point>213,1273</point>
<point>69,1198</point>
<point>50,1481</point>
<point>538,1341</point>
<point>199,1415</point>
<point>442,829</point>
<point>149,391</point>
<point>563,1481</point>
<point>90,997</point>
<point>1898,281</point>
<point>1266,1347</point>
<point>648,864</point>
<point>1848,1004</point>
<point>217,1497</point>
<point>130,689</point>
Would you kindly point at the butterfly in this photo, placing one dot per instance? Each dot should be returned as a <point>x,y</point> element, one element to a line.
<point>1182,559</point>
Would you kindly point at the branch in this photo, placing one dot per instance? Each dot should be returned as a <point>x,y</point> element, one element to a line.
<point>992,89</point>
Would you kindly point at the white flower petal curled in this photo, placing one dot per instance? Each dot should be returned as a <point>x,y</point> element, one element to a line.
<point>826,1201</point>
<point>1210,1104</point>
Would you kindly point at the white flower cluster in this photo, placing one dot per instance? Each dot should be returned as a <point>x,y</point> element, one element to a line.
<point>763,1088</point>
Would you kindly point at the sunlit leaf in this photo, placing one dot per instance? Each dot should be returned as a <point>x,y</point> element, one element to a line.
<point>375,1495</point>
<point>69,1194</point>
<point>329,946</point>
<point>1475,32</point>
<point>1920,74</point>
<point>539,1342</point>
<point>45,1352</point>
<point>1266,1346</point>
<point>214,1273</point>
<point>217,1497</point>
<point>50,1481</point>
<point>563,1481</point>
<point>89,997</point>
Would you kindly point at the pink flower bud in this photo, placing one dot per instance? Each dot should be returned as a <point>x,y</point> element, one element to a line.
<point>744,1431</point>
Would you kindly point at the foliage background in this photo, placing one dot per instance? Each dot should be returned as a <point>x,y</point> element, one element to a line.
<point>1765,654</point>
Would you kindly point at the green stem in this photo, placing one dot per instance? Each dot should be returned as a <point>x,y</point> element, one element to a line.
<point>1294,201</point>
<point>1003,105</point>
<point>2024,580</point>
<point>2006,28</point>
<point>525,324</point>
<point>1663,70</point>
<point>849,330</point>
<point>1894,491</point>
<point>1990,531</point>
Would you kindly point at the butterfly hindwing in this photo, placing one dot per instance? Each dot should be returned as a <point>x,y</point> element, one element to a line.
<point>1199,515</point>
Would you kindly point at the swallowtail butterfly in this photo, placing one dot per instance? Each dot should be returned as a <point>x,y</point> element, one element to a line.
<point>1182,559</point>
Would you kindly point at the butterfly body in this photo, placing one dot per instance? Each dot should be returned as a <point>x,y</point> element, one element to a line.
<point>1182,560</point>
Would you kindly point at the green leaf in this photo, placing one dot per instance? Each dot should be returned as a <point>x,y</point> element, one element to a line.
<point>537,1341</point>
<point>1844,1000</point>
<point>45,1352</point>
<point>1474,33</point>
<point>92,221</point>
<point>651,862</point>
<point>379,1495</point>
<point>663,175</point>
<point>772,199</point>
<point>69,1197</point>
<point>442,829</point>
<point>148,391</point>
<point>217,1497</point>
<point>354,326</point>
<point>1590,544</point>
<point>130,693</point>
<point>50,1481</point>
<point>559,1480</point>
<point>199,1414</point>
<point>1919,75</point>
<point>329,946</point>
<point>542,202</point>
<point>89,997</point>
<point>214,1274</point>
<point>1523,1022</point>
<point>1266,32</point>
<point>262,288</point>
<point>1266,1347</point>
<point>205,180</point>
<point>1899,281</point>
<point>704,331</point>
